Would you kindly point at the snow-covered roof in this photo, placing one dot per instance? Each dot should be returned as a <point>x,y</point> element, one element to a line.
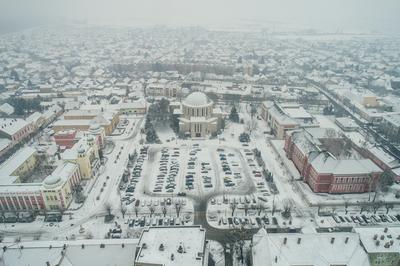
<point>72,154</point>
<point>310,143</point>
<point>10,126</point>
<point>346,123</point>
<point>83,113</point>
<point>72,122</point>
<point>100,252</point>
<point>393,119</point>
<point>296,112</point>
<point>7,109</point>
<point>385,157</point>
<point>376,240</point>
<point>33,118</point>
<point>327,164</point>
<point>4,143</point>
<point>189,240</point>
<point>15,161</point>
<point>197,99</point>
<point>318,249</point>
<point>60,175</point>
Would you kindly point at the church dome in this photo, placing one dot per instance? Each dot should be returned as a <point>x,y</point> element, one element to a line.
<point>197,99</point>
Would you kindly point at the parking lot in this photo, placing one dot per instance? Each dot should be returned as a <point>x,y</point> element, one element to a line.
<point>365,219</point>
<point>167,172</point>
<point>197,170</point>
<point>132,176</point>
<point>200,175</point>
<point>248,212</point>
<point>158,220</point>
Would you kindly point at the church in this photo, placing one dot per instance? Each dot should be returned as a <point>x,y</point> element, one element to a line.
<point>197,116</point>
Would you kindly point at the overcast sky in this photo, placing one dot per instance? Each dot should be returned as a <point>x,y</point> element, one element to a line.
<point>330,15</point>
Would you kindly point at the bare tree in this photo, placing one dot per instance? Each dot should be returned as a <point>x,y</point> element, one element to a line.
<point>108,208</point>
<point>178,208</point>
<point>363,207</point>
<point>136,210</point>
<point>388,206</point>
<point>152,209</point>
<point>287,208</point>
<point>164,210</point>
<point>260,208</point>
<point>251,125</point>
<point>246,208</point>
<point>123,211</point>
<point>375,206</point>
<point>346,206</point>
<point>273,207</point>
<point>233,206</point>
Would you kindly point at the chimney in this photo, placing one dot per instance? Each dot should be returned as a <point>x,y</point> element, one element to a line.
<point>332,240</point>
<point>284,241</point>
<point>298,240</point>
<point>346,240</point>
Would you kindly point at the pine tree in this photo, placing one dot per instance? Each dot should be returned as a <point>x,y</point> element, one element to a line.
<point>234,116</point>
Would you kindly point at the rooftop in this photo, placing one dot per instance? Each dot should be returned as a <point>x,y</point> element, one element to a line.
<point>393,119</point>
<point>4,143</point>
<point>197,99</point>
<point>100,252</point>
<point>10,126</point>
<point>15,161</point>
<point>7,109</point>
<point>60,174</point>
<point>346,122</point>
<point>379,239</point>
<point>84,113</point>
<point>185,243</point>
<point>327,152</point>
<point>317,249</point>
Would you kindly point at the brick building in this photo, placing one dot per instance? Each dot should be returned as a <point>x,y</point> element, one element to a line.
<point>328,163</point>
<point>65,139</point>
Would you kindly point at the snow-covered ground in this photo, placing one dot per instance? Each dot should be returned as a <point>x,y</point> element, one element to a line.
<point>218,171</point>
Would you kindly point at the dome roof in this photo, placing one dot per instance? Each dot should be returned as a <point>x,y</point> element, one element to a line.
<point>52,180</point>
<point>81,149</point>
<point>94,126</point>
<point>197,99</point>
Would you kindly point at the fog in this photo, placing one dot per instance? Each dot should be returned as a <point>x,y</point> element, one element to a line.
<point>333,16</point>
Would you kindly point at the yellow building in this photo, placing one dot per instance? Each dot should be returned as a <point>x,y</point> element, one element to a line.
<point>85,153</point>
<point>59,186</point>
<point>81,120</point>
<point>20,164</point>
<point>54,193</point>
<point>370,101</point>
<point>277,120</point>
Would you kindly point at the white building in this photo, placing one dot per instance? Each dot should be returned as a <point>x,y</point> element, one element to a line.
<point>317,249</point>
<point>197,116</point>
<point>381,244</point>
<point>167,246</point>
<point>99,252</point>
